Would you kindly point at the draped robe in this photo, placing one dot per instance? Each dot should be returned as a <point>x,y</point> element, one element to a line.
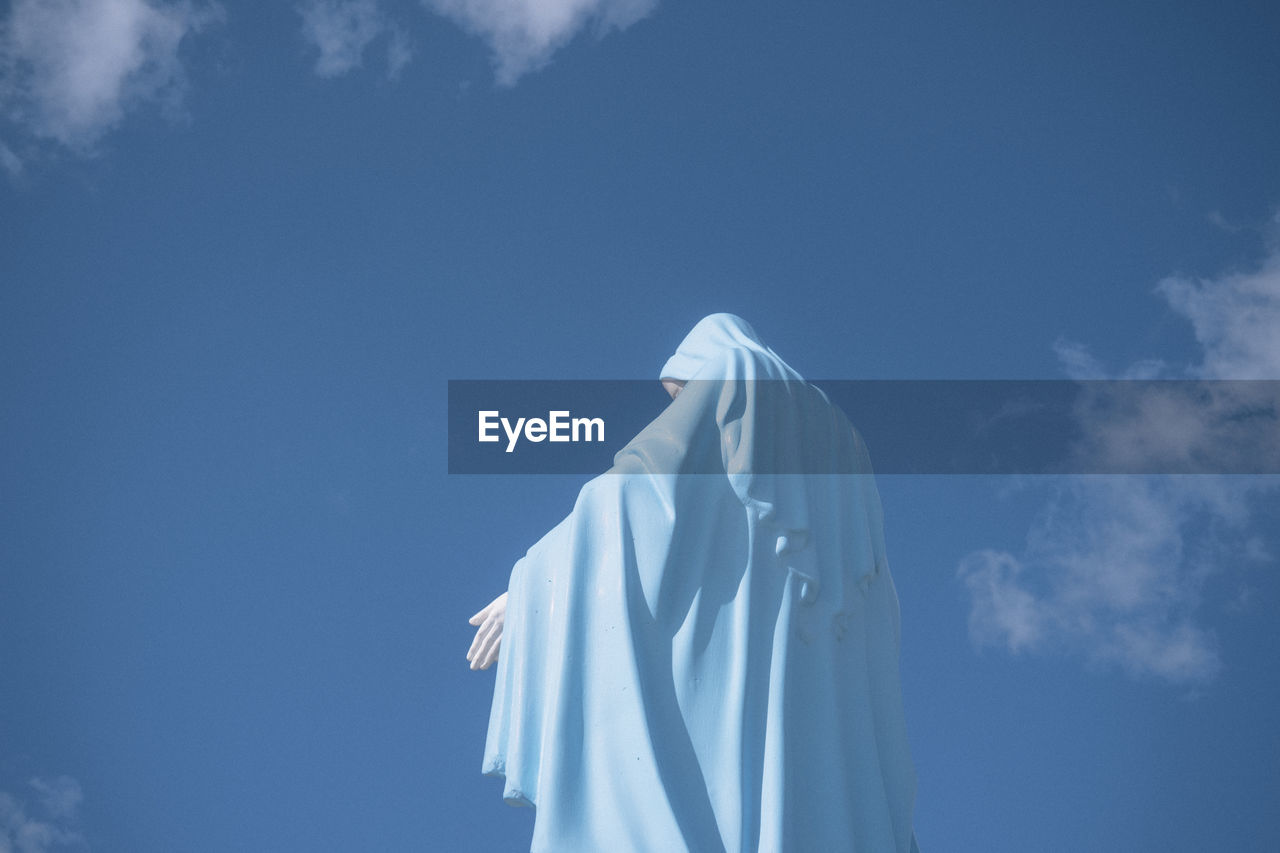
<point>703,655</point>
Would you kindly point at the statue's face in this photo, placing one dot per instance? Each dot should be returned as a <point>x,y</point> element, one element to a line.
<point>673,387</point>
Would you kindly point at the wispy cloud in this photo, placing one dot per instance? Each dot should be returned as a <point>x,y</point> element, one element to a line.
<point>342,30</point>
<point>524,34</point>
<point>1079,363</point>
<point>1236,318</point>
<point>1115,568</point>
<point>50,826</point>
<point>70,70</point>
<point>10,161</point>
<point>1112,569</point>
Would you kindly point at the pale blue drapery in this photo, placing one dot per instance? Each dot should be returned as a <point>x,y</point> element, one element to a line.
<point>703,655</point>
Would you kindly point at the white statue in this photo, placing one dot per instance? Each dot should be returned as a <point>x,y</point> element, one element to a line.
<point>703,656</point>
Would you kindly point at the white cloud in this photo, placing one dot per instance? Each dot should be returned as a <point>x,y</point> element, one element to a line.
<point>1112,569</point>
<point>1002,610</point>
<point>61,797</point>
<point>342,30</point>
<point>1079,363</point>
<point>1178,427</point>
<point>523,34</point>
<point>71,69</point>
<point>1115,567</point>
<point>10,161</point>
<point>399,53</point>
<point>1236,319</point>
<point>1217,220</point>
<point>53,829</point>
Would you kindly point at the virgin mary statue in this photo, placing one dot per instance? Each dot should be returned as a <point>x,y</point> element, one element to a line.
<point>703,656</point>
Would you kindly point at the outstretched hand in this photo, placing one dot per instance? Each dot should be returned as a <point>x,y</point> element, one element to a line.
<point>484,648</point>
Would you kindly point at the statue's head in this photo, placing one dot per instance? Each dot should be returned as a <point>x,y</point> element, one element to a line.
<point>705,345</point>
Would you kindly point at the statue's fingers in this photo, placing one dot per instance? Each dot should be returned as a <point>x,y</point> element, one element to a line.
<point>484,638</point>
<point>488,649</point>
<point>491,653</point>
<point>491,648</point>
<point>476,643</point>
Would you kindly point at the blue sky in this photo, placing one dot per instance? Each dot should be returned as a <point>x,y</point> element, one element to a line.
<point>244,245</point>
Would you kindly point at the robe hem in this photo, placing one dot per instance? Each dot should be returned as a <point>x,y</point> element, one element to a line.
<point>510,795</point>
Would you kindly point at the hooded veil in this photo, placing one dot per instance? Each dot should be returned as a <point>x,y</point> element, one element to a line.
<point>703,655</point>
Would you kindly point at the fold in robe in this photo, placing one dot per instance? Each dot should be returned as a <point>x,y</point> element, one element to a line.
<point>703,655</point>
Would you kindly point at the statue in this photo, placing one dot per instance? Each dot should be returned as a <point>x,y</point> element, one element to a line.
<point>703,656</point>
